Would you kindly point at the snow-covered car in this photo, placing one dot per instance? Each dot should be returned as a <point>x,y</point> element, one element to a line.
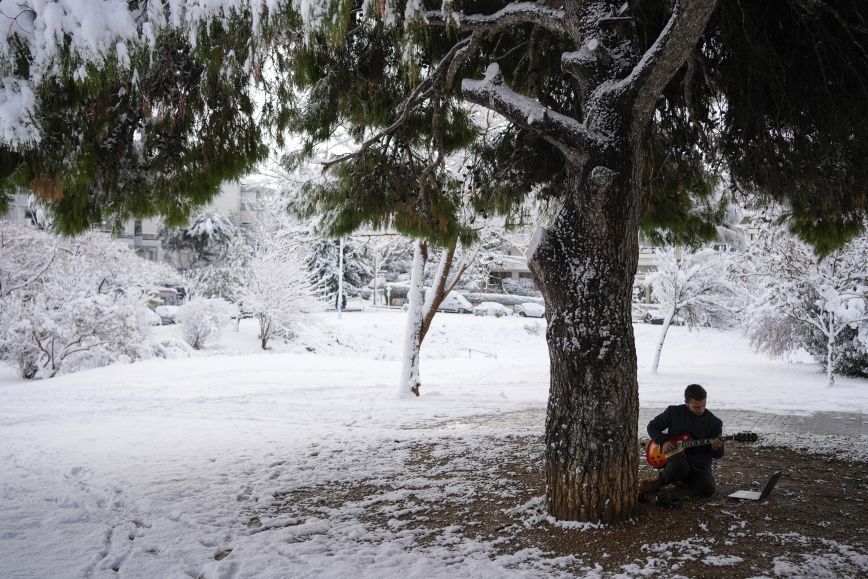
<point>530,310</point>
<point>153,317</point>
<point>457,303</point>
<point>167,314</point>
<point>491,309</point>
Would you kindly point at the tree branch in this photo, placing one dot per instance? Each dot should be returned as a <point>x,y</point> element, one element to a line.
<point>438,292</point>
<point>422,92</point>
<point>668,53</point>
<point>34,278</point>
<point>573,138</point>
<point>509,16</point>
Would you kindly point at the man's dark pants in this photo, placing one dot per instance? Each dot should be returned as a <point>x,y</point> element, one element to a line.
<point>698,479</point>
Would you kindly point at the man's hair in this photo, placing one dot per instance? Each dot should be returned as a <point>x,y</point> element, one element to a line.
<point>695,392</point>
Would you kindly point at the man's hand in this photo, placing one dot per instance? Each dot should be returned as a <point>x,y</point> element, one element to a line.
<point>668,446</point>
<point>716,443</point>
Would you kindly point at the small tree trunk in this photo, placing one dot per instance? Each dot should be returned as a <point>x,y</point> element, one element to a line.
<point>830,360</point>
<point>438,291</point>
<point>340,304</point>
<point>666,323</point>
<point>264,331</point>
<point>376,276</point>
<point>584,266</point>
<point>410,383</point>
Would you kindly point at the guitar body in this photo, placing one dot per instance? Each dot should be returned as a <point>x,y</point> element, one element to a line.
<point>654,452</point>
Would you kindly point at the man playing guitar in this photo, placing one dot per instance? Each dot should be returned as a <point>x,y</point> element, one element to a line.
<point>693,465</point>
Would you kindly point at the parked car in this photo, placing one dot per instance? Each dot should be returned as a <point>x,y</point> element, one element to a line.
<point>167,314</point>
<point>637,312</point>
<point>530,310</point>
<point>491,309</point>
<point>154,318</point>
<point>456,303</point>
<point>657,318</point>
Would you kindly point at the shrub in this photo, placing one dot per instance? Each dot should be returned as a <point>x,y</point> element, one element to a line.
<point>202,320</point>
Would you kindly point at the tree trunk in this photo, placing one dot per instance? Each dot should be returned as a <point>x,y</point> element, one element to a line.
<point>666,323</point>
<point>340,304</point>
<point>264,331</point>
<point>584,266</point>
<point>438,290</point>
<point>830,358</point>
<point>410,383</point>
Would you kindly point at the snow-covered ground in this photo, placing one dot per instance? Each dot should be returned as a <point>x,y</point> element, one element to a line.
<point>155,469</point>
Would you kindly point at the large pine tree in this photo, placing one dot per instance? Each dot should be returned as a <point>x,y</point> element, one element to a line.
<point>622,115</point>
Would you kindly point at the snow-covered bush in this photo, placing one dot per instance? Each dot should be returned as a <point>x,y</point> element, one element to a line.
<point>811,301</point>
<point>519,287</point>
<point>68,304</point>
<point>202,319</point>
<point>165,348</point>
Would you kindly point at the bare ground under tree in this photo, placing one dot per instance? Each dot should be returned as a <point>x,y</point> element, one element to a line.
<point>490,489</point>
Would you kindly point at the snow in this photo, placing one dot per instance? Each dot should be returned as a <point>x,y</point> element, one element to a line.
<point>16,103</point>
<point>176,467</point>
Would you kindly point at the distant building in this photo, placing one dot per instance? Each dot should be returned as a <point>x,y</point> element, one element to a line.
<point>513,262</point>
<point>140,235</point>
<point>238,201</point>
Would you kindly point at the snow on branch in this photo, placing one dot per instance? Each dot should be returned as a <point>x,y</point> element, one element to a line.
<point>573,138</point>
<point>511,15</point>
<point>93,32</point>
<point>660,62</point>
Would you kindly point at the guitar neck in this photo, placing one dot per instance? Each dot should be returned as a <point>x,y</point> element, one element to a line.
<point>698,442</point>
<point>685,444</point>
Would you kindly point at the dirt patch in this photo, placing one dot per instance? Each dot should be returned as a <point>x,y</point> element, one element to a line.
<point>489,490</point>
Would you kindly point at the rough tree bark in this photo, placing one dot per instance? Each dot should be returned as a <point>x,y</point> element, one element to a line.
<point>584,265</point>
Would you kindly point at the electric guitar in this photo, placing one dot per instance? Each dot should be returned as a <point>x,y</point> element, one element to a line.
<point>658,459</point>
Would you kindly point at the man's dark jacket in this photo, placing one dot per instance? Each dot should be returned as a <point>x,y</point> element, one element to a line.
<point>678,420</point>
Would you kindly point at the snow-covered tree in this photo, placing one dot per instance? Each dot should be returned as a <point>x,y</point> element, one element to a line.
<point>202,320</point>
<point>24,257</point>
<point>383,246</point>
<point>207,240</point>
<point>278,288</point>
<point>804,299</point>
<point>695,285</point>
<point>323,262</point>
<point>210,253</point>
<point>72,303</point>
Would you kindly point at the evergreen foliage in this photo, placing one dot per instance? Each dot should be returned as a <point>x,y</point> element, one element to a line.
<point>400,181</point>
<point>772,99</point>
<point>792,76</point>
<point>155,136</point>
